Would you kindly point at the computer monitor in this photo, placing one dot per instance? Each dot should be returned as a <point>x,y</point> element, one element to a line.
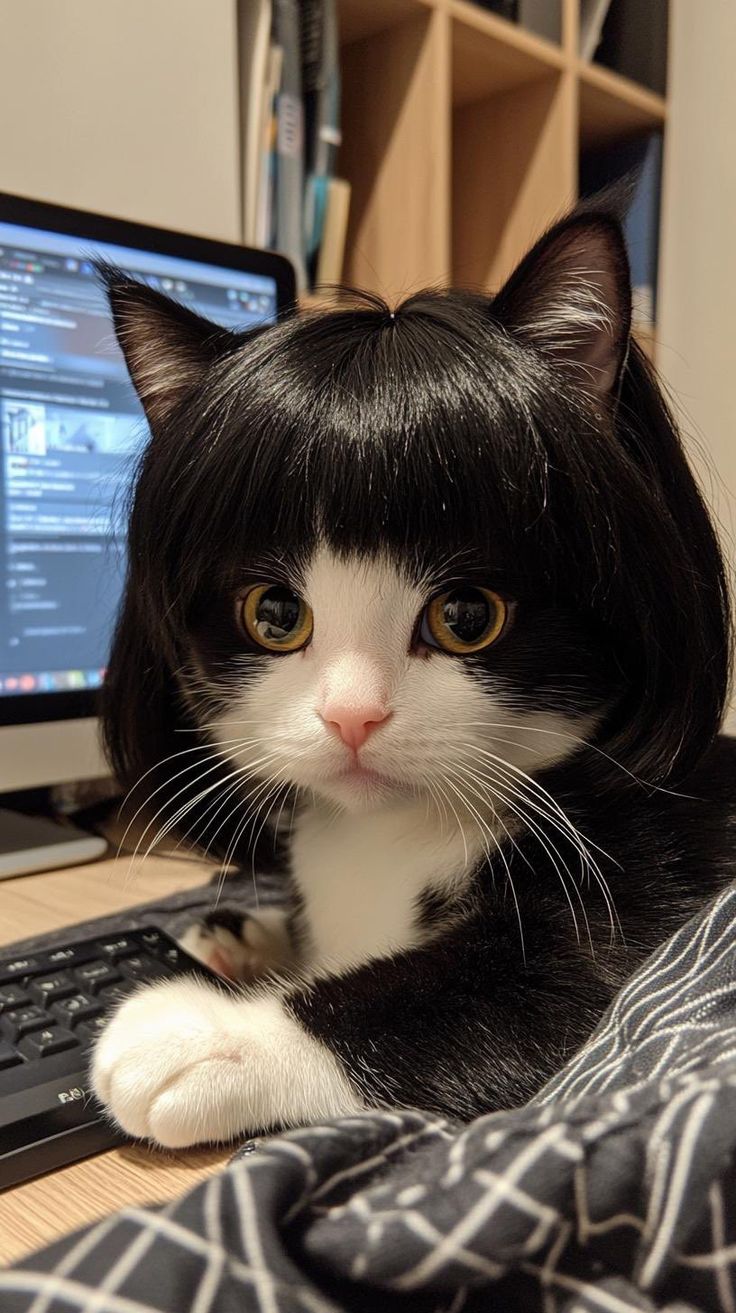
<point>71,428</point>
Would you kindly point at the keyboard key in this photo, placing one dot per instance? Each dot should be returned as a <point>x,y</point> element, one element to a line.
<point>151,938</point>
<point>13,996</point>
<point>88,1031</point>
<point>113,994</point>
<point>171,956</point>
<point>165,951</point>
<point>8,1056</point>
<point>61,957</point>
<point>19,966</point>
<point>23,1020</point>
<point>52,1039</point>
<point>69,955</point>
<point>121,946</point>
<point>79,1007</point>
<point>141,967</point>
<point>45,988</point>
<point>93,976</point>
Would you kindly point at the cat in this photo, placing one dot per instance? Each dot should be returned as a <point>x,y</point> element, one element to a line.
<point>426,600</point>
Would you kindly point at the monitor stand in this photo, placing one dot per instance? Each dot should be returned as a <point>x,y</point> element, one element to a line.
<point>35,843</point>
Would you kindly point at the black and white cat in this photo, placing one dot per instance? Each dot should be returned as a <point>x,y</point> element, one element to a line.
<point>430,593</point>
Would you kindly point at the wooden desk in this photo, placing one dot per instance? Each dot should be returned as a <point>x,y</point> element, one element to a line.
<point>34,1214</point>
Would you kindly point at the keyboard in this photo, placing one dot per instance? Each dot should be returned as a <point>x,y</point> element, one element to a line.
<point>53,1005</point>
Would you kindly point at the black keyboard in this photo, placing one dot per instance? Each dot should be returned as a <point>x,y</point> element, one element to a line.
<point>53,1005</point>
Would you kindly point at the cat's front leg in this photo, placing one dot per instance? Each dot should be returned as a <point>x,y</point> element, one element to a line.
<point>183,1063</point>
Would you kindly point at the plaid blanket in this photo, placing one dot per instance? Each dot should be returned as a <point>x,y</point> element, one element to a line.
<point>613,1191</point>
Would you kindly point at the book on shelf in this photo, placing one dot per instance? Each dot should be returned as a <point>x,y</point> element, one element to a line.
<point>635,169</point>
<point>289,158</point>
<point>321,90</point>
<point>592,17</point>
<point>290,132</point>
<point>542,17</point>
<point>634,41</point>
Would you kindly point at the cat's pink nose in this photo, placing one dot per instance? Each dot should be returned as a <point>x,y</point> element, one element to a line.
<point>354,724</point>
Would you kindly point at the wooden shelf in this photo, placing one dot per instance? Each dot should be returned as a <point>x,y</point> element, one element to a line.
<point>395,153</point>
<point>612,107</point>
<point>461,137</point>
<point>491,55</point>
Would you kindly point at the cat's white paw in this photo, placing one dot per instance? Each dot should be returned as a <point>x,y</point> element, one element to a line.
<point>181,1063</point>
<point>169,1066</point>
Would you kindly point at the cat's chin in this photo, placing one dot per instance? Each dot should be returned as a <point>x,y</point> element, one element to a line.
<point>359,788</point>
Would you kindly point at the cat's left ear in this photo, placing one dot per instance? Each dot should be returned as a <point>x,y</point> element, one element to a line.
<point>571,298</point>
<point>168,349</point>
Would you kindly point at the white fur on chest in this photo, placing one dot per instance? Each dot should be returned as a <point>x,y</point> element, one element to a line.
<point>360,879</point>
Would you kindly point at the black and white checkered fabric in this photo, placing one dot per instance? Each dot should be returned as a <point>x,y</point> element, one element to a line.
<point>614,1190</point>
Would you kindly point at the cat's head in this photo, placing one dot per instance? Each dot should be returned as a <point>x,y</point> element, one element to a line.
<point>375,552</point>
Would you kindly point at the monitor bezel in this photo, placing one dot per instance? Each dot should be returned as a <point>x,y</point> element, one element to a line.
<point>36,708</point>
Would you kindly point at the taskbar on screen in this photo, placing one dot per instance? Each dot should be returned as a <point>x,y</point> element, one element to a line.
<point>50,681</point>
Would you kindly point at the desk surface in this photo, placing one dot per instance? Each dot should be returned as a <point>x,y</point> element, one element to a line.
<point>34,1214</point>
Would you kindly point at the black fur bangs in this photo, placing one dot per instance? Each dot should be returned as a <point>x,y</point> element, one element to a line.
<point>374,431</point>
<point>427,432</point>
<point>434,432</point>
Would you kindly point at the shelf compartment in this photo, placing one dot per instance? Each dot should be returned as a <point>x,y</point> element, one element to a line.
<point>514,170</point>
<point>395,153</point>
<point>613,107</point>
<point>357,19</point>
<point>491,55</point>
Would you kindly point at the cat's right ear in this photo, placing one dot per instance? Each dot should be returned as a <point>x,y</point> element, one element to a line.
<point>168,349</point>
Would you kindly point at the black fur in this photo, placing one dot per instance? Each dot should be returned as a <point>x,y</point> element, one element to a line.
<point>466,1025</point>
<point>454,425</point>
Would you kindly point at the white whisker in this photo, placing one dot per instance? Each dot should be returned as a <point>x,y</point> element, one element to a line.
<point>553,853</point>
<point>542,805</point>
<point>484,827</point>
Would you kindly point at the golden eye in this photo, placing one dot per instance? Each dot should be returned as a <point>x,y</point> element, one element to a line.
<point>463,620</point>
<point>276,619</point>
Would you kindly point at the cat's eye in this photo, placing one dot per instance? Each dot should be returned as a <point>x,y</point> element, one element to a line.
<point>464,620</point>
<point>276,618</point>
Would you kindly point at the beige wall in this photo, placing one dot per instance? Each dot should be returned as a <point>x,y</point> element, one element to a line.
<point>124,106</point>
<point>697,311</point>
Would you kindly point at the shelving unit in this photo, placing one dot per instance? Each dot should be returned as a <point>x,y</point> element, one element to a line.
<point>461,137</point>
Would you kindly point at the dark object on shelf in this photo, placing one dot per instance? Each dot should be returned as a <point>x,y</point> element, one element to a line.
<point>542,17</point>
<point>634,42</point>
<point>53,1003</point>
<point>508,9</point>
<point>636,166</point>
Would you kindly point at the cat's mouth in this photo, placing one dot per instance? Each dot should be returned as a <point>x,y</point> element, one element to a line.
<point>367,780</point>
<point>363,775</point>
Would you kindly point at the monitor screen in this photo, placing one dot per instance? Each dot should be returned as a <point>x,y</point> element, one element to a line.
<point>71,428</point>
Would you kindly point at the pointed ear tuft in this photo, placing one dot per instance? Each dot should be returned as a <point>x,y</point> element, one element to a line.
<point>167,347</point>
<point>571,298</point>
